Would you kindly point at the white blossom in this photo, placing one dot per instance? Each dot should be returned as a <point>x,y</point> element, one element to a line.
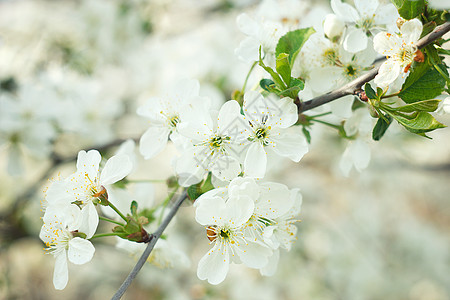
<point>269,118</point>
<point>88,185</point>
<point>368,17</point>
<point>65,238</point>
<point>399,49</point>
<point>225,218</point>
<point>164,115</point>
<point>214,144</point>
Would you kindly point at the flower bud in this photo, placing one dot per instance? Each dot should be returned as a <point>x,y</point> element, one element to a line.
<point>333,27</point>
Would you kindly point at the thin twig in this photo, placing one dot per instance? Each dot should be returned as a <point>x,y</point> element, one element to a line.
<point>351,87</point>
<point>154,238</point>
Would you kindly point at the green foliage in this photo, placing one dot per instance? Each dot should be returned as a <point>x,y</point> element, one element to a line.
<point>414,116</point>
<point>196,190</point>
<point>381,127</point>
<point>288,47</point>
<point>292,42</point>
<point>306,134</point>
<point>410,9</point>
<point>419,122</point>
<point>423,83</point>
<point>370,93</point>
<point>425,105</point>
<point>283,68</point>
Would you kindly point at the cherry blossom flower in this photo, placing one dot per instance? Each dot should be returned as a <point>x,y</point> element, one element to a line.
<point>357,153</point>
<point>259,34</point>
<point>65,238</point>
<point>225,217</point>
<point>368,17</point>
<point>164,114</point>
<point>269,118</point>
<point>399,49</point>
<point>215,143</point>
<point>88,185</point>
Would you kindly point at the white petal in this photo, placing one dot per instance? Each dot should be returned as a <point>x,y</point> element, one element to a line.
<point>244,186</point>
<point>153,141</point>
<point>229,120</point>
<point>411,30</point>
<point>255,161</point>
<point>366,8</point>
<point>253,255</point>
<point>386,14</point>
<point>248,50</point>
<point>254,106</point>
<point>209,210</point>
<point>89,220</point>
<point>288,112</point>
<point>355,40</point>
<point>344,11</point>
<point>80,251</point>
<point>61,271</point>
<point>89,162</point>
<point>226,168</point>
<point>247,25</point>
<point>214,265</point>
<point>58,193</point>
<point>271,267</point>
<point>275,200</point>
<point>239,209</point>
<point>116,168</point>
<point>386,44</point>
<point>361,154</point>
<point>290,145</point>
<point>388,72</point>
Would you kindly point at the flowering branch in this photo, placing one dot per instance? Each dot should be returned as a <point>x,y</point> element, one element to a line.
<point>153,239</point>
<point>355,85</point>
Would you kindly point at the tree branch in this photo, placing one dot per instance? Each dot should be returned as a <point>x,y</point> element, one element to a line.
<point>154,238</point>
<point>351,87</point>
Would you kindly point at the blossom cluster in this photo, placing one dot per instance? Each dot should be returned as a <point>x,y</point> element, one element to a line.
<point>71,218</point>
<point>247,222</point>
<point>225,151</point>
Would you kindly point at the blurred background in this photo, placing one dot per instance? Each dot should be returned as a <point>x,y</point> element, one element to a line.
<point>72,74</point>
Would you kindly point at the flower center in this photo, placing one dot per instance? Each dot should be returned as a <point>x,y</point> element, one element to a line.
<point>173,121</point>
<point>351,71</point>
<point>366,24</point>
<point>261,134</point>
<point>405,56</point>
<point>330,56</point>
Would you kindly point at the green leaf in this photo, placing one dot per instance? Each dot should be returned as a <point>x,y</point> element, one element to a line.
<point>443,51</point>
<point>267,84</point>
<point>194,191</point>
<point>283,67</point>
<point>133,208</point>
<point>398,3</point>
<point>411,9</point>
<point>381,127</point>
<point>426,105</point>
<point>298,83</point>
<point>370,93</point>
<point>423,83</point>
<point>292,42</point>
<point>276,78</point>
<point>291,92</point>
<point>307,134</point>
<point>418,122</point>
